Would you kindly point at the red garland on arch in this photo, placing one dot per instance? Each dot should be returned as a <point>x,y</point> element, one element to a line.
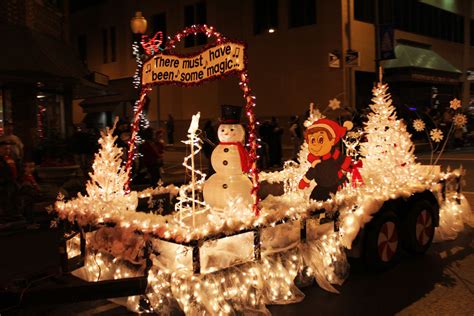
<point>252,144</point>
<point>252,141</point>
<point>194,29</point>
<point>133,138</point>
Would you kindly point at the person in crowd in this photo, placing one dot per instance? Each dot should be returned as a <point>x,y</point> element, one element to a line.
<point>445,125</point>
<point>152,150</point>
<point>296,136</point>
<point>82,144</point>
<point>8,179</point>
<point>458,135</point>
<point>209,142</point>
<point>29,191</point>
<point>15,141</point>
<point>264,132</point>
<point>170,129</point>
<point>28,178</point>
<point>275,148</point>
<point>123,133</point>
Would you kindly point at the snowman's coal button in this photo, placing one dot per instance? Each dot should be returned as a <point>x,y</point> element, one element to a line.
<point>225,162</point>
<point>226,150</point>
<point>224,186</point>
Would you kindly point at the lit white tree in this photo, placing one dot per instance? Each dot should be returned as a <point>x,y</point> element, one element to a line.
<point>389,160</point>
<point>108,176</point>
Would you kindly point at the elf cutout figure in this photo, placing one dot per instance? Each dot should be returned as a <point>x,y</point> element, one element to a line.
<point>328,165</point>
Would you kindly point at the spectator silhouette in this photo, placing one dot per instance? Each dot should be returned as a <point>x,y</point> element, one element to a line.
<point>274,142</point>
<point>296,136</point>
<point>264,131</point>
<point>170,129</point>
<point>8,179</point>
<point>210,141</point>
<point>16,144</point>
<point>152,150</point>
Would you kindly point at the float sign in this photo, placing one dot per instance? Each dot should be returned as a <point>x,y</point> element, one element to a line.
<point>219,60</point>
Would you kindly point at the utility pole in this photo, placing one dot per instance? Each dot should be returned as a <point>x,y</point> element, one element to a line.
<point>378,71</point>
<point>466,84</point>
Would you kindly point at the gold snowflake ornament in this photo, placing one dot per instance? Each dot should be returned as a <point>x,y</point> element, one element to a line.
<point>334,104</point>
<point>436,135</point>
<point>460,120</point>
<point>455,104</point>
<point>419,125</point>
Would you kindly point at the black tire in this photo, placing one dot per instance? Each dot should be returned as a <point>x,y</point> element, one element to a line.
<point>382,245</point>
<point>418,227</point>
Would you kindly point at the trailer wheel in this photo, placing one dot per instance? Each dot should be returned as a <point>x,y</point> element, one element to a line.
<point>418,228</point>
<point>382,240</point>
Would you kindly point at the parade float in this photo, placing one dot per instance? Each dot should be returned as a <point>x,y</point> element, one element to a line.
<point>229,248</point>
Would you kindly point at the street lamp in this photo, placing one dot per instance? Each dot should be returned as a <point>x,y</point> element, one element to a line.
<point>138,24</point>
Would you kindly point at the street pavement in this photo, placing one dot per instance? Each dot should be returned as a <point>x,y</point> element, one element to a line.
<point>440,282</point>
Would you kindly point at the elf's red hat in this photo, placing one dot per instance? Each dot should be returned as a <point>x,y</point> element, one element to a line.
<point>337,131</point>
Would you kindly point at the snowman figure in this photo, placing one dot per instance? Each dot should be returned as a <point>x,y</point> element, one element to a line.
<point>230,161</point>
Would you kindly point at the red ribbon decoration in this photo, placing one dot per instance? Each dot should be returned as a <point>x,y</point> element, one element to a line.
<point>151,46</point>
<point>356,177</point>
<point>133,139</point>
<point>244,155</point>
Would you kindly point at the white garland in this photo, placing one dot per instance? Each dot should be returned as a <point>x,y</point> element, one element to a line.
<point>389,172</point>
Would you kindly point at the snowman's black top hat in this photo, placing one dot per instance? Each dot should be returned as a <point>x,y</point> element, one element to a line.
<point>231,114</point>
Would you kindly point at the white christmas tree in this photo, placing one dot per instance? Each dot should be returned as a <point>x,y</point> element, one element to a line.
<point>389,160</point>
<point>108,177</point>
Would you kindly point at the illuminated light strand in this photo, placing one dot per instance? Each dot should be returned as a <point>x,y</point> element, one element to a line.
<point>137,84</point>
<point>135,128</point>
<point>197,182</point>
<point>252,139</point>
<point>234,290</point>
<point>193,30</point>
<point>144,122</point>
<point>274,281</point>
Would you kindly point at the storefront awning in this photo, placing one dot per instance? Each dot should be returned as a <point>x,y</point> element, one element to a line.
<point>419,62</point>
<point>116,93</point>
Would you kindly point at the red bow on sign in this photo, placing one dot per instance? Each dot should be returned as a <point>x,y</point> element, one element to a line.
<point>151,46</point>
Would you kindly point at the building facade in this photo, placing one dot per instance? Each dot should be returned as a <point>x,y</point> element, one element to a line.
<point>39,72</point>
<point>297,51</point>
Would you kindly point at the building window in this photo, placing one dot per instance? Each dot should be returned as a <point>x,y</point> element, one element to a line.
<point>413,16</point>
<point>301,13</point>
<point>364,10</point>
<point>472,32</point>
<point>113,45</point>
<point>265,15</point>
<point>195,14</point>
<point>109,45</point>
<point>105,46</point>
<point>82,47</point>
<point>158,24</point>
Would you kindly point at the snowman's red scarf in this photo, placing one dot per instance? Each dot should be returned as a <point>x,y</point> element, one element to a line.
<point>244,156</point>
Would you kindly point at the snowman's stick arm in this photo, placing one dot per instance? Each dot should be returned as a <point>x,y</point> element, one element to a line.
<point>207,140</point>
